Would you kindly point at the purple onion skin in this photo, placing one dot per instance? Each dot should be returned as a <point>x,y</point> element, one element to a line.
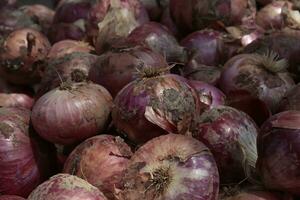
<point>69,12</point>
<point>118,67</point>
<point>158,38</point>
<point>167,21</point>
<point>100,160</point>
<point>64,186</point>
<point>187,166</point>
<point>64,31</point>
<point>11,197</point>
<point>278,150</point>
<point>291,101</point>
<point>231,136</point>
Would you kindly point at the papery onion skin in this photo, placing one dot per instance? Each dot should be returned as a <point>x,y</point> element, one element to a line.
<point>172,167</point>
<point>278,150</point>
<point>64,31</point>
<point>72,113</point>
<point>22,53</point>
<point>153,106</point>
<point>100,160</point>
<point>11,197</point>
<point>118,67</point>
<point>231,136</point>
<point>65,186</point>
<point>291,100</point>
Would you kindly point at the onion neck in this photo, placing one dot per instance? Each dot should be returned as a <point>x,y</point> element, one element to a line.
<point>31,41</point>
<point>78,76</point>
<point>151,72</point>
<point>159,181</point>
<point>271,62</point>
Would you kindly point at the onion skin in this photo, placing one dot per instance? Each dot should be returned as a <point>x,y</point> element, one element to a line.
<point>16,100</point>
<point>11,197</point>
<point>64,186</point>
<point>180,166</point>
<point>78,111</point>
<point>167,21</point>
<point>150,107</point>
<point>100,160</point>
<point>278,150</point>
<point>291,101</point>
<point>118,67</point>
<point>231,136</point>
<point>64,31</point>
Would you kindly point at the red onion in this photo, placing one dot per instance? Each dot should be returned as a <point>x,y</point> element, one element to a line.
<point>155,8</point>
<point>167,21</point>
<point>158,38</point>
<point>291,100</point>
<point>21,56</point>
<point>155,105</point>
<point>263,76</point>
<point>231,136</point>
<point>72,112</point>
<point>278,152</point>
<point>193,15</point>
<point>65,47</point>
<point>11,197</point>
<point>172,167</point>
<point>118,67</point>
<point>16,100</point>
<point>102,161</point>
<point>26,160</point>
<point>257,195</point>
<point>64,186</point>
<point>63,31</point>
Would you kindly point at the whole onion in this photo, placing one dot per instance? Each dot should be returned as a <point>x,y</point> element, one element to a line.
<point>21,56</point>
<point>64,186</point>
<point>193,15</point>
<point>155,105</point>
<point>158,38</point>
<point>64,47</point>
<point>155,8</point>
<point>291,100</point>
<point>116,68</point>
<point>102,161</point>
<point>231,136</point>
<point>11,197</point>
<point>278,152</point>
<point>26,160</point>
<point>72,112</point>
<point>172,167</point>
<point>263,76</point>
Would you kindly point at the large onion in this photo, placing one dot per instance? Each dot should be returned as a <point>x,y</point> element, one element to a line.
<point>78,111</point>
<point>102,161</point>
<point>291,100</point>
<point>64,186</point>
<point>231,136</point>
<point>172,167</point>
<point>11,197</point>
<point>278,152</point>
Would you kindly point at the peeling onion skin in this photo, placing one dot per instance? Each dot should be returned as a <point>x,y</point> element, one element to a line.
<point>11,197</point>
<point>231,136</point>
<point>278,152</point>
<point>100,160</point>
<point>182,168</point>
<point>66,187</point>
<point>72,113</point>
<point>291,100</point>
<point>150,107</point>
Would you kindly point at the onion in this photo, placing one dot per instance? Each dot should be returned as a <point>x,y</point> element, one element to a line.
<point>155,105</point>
<point>102,161</point>
<point>155,8</point>
<point>158,38</point>
<point>64,186</point>
<point>231,136</point>
<point>118,67</point>
<point>65,47</point>
<point>78,111</point>
<point>172,167</point>
<point>11,197</point>
<point>21,56</point>
<point>26,160</point>
<point>278,152</point>
<point>291,100</point>
<point>193,15</point>
<point>16,100</point>
<point>167,21</point>
<point>263,76</point>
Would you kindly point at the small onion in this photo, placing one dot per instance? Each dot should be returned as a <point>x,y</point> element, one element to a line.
<point>100,160</point>
<point>231,136</point>
<point>172,167</point>
<point>278,152</point>
<point>291,101</point>
<point>72,112</point>
<point>21,56</point>
<point>11,197</point>
<point>64,186</point>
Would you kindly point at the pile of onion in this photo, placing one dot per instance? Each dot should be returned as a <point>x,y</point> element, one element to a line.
<point>64,186</point>
<point>110,156</point>
<point>291,100</point>
<point>171,167</point>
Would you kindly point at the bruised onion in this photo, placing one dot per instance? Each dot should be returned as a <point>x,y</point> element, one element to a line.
<point>21,56</point>
<point>110,156</point>
<point>154,105</point>
<point>172,167</point>
<point>64,186</point>
<point>158,38</point>
<point>263,76</point>
<point>118,67</point>
<point>72,112</point>
<point>231,136</point>
<point>64,31</point>
<point>11,197</point>
<point>278,152</point>
<point>291,100</point>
